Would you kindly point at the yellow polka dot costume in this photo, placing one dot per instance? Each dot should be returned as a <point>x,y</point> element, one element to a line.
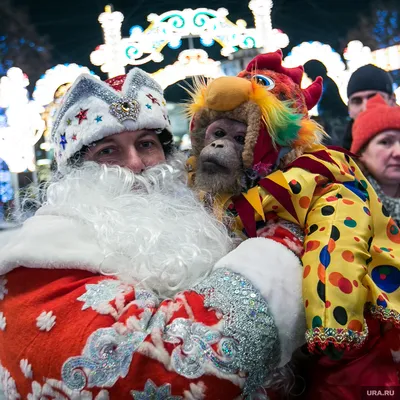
<point>351,252</point>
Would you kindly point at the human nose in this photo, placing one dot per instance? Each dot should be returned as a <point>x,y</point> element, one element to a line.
<point>133,161</point>
<point>396,150</point>
<point>363,105</point>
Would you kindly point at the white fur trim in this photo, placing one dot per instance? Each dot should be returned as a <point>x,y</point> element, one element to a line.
<point>95,97</point>
<point>277,273</point>
<point>52,241</point>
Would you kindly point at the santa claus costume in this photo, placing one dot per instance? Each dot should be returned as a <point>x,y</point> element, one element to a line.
<point>113,290</point>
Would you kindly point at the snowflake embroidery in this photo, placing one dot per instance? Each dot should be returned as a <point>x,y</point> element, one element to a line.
<point>3,322</point>
<point>45,321</point>
<point>101,293</point>
<point>8,390</point>
<point>3,289</point>
<point>55,389</point>
<point>151,391</point>
<point>26,368</point>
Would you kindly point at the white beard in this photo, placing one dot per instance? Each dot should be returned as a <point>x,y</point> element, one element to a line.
<point>151,223</point>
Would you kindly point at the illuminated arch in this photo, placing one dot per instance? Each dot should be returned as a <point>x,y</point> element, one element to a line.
<point>190,63</point>
<point>336,68</point>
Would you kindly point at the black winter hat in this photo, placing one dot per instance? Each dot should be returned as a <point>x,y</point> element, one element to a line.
<point>370,77</point>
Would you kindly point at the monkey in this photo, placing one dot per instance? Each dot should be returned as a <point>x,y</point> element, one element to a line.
<point>261,158</point>
<point>220,164</point>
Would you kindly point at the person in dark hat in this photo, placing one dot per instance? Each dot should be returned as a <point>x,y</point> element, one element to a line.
<point>364,83</point>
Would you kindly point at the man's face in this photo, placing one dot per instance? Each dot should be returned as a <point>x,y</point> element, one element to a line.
<point>135,150</point>
<point>358,101</point>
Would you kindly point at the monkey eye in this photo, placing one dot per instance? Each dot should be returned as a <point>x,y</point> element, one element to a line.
<point>239,139</point>
<point>219,133</point>
<point>265,81</point>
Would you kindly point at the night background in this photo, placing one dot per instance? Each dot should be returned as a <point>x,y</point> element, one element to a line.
<point>67,32</point>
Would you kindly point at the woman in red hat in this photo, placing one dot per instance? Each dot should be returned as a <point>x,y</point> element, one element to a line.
<point>376,139</point>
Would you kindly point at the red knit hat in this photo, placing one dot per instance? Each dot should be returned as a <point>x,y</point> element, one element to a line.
<point>378,117</point>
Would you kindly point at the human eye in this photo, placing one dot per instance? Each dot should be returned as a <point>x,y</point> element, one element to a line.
<point>147,144</point>
<point>105,151</point>
<point>356,101</point>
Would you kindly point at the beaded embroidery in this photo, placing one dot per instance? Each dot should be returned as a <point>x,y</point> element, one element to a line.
<point>340,338</point>
<point>247,321</point>
<point>191,358</point>
<point>385,314</point>
<point>125,108</point>
<point>100,293</point>
<point>106,357</point>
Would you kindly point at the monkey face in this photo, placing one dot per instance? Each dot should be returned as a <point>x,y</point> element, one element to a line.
<point>220,164</point>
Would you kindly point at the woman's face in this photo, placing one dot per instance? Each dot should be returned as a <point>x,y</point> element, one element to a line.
<point>382,157</point>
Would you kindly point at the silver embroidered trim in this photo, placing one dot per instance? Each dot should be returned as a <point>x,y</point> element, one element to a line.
<point>152,392</point>
<point>247,321</point>
<point>85,86</point>
<point>293,228</point>
<point>192,357</point>
<point>106,357</point>
<point>100,293</point>
<point>136,80</point>
<point>107,354</point>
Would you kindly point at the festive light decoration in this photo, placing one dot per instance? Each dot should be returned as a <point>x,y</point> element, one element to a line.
<point>55,77</point>
<point>355,54</point>
<point>6,189</point>
<point>171,27</point>
<point>49,90</point>
<point>195,61</point>
<point>306,51</point>
<point>22,125</point>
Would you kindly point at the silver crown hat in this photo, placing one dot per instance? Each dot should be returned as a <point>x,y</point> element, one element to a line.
<point>92,110</point>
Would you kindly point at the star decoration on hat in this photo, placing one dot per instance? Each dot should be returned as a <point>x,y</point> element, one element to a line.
<point>63,141</point>
<point>148,106</point>
<point>126,108</point>
<point>153,99</point>
<point>99,118</point>
<point>82,115</point>
<point>74,137</point>
<point>69,121</point>
<point>164,103</point>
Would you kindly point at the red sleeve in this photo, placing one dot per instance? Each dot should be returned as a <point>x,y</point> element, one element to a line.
<point>69,333</point>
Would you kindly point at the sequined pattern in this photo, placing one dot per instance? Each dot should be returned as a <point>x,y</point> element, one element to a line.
<point>385,314</point>
<point>86,86</point>
<point>191,358</point>
<point>294,228</point>
<point>100,293</point>
<point>340,338</point>
<point>106,358</point>
<point>247,321</point>
<point>136,80</point>
<point>152,392</point>
<point>125,108</point>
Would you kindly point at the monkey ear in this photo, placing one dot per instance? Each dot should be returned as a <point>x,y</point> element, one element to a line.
<point>192,124</point>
